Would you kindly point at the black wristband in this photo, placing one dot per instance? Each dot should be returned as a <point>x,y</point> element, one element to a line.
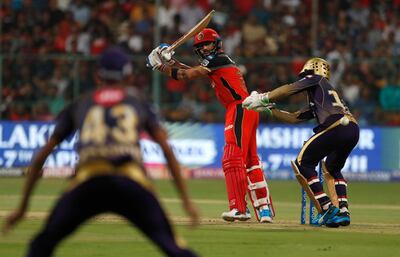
<point>174,73</point>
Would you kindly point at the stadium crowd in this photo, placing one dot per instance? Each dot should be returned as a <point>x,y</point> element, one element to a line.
<point>48,51</point>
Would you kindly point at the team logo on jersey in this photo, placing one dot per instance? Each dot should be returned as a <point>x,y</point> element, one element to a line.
<point>205,62</point>
<point>230,126</point>
<point>108,96</point>
<point>200,36</point>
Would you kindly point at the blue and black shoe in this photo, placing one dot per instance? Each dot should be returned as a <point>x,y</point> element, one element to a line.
<point>343,218</point>
<point>333,222</point>
<point>329,217</point>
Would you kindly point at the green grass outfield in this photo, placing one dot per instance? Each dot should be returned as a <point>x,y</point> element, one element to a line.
<point>375,229</point>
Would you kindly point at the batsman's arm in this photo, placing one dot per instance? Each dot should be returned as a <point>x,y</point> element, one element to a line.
<point>185,73</point>
<point>292,117</point>
<point>180,65</point>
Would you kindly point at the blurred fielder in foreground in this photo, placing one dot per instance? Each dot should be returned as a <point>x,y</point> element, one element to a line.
<point>240,163</point>
<point>110,176</point>
<point>335,137</point>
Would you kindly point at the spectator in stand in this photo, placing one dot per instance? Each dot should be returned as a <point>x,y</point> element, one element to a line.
<point>166,13</point>
<point>253,36</point>
<point>140,10</point>
<point>350,88</point>
<point>80,11</point>
<point>262,11</point>
<point>190,14</point>
<point>18,112</point>
<point>233,37</point>
<point>41,112</point>
<point>338,58</point>
<point>369,30</point>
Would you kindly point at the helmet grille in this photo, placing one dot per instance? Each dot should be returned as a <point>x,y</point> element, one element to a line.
<point>318,66</point>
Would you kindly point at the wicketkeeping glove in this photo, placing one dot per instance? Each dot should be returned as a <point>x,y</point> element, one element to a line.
<point>266,109</point>
<point>255,100</point>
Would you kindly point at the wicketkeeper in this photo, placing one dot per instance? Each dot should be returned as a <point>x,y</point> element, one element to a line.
<point>240,163</point>
<point>335,137</point>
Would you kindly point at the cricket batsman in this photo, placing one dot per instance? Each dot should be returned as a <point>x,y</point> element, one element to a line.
<point>240,162</point>
<point>336,134</point>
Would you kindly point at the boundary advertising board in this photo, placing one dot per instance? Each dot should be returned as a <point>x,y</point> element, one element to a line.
<point>199,149</point>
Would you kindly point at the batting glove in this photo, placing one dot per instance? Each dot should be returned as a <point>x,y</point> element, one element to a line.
<point>165,54</point>
<point>255,100</point>
<point>153,60</point>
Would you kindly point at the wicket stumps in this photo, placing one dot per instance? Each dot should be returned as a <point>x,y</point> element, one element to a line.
<point>312,210</point>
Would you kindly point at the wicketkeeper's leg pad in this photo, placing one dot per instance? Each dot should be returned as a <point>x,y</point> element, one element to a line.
<point>235,177</point>
<point>339,184</point>
<point>304,184</point>
<point>330,184</point>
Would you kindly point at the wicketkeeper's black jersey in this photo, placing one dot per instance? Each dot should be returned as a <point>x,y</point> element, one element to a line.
<point>323,99</point>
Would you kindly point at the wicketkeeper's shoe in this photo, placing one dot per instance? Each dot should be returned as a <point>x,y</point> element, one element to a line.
<point>234,214</point>
<point>329,217</point>
<point>343,218</point>
<point>265,215</point>
<point>332,222</point>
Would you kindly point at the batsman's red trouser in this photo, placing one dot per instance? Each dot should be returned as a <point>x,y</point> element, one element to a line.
<point>240,130</point>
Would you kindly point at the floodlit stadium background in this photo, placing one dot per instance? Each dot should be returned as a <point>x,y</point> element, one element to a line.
<point>48,52</point>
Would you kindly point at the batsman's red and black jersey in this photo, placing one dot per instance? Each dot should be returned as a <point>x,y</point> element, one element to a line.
<point>324,101</point>
<point>227,80</point>
<point>109,121</point>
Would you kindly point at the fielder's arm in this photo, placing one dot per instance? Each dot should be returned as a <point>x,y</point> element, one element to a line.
<point>281,92</point>
<point>293,88</point>
<point>160,136</point>
<point>34,173</point>
<point>292,117</point>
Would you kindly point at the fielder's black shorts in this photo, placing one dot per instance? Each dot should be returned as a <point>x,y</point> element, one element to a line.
<point>101,194</point>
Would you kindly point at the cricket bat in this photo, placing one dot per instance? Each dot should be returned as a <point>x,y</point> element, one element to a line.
<point>193,31</point>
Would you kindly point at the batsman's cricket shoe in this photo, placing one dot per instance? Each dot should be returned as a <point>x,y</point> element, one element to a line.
<point>265,215</point>
<point>329,217</point>
<point>234,214</point>
<point>343,218</point>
